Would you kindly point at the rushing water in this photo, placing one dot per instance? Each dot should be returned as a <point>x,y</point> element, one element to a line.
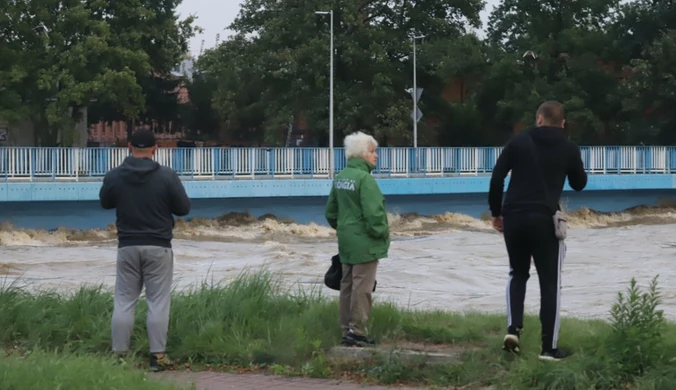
<point>443,255</point>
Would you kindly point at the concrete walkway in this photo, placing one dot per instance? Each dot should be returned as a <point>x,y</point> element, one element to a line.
<point>223,381</point>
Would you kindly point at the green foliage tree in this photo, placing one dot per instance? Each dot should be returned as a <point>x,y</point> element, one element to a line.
<point>62,61</point>
<point>237,97</point>
<point>277,65</point>
<point>610,62</point>
<point>62,55</point>
<point>560,48</point>
<point>607,60</point>
<point>198,116</point>
<point>646,32</point>
<point>152,29</point>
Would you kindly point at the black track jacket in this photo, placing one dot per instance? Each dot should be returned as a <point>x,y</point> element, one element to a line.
<point>558,158</point>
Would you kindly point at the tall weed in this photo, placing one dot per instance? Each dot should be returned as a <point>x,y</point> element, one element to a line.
<point>637,330</point>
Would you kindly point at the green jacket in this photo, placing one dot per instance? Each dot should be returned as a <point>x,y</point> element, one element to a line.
<point>356,209</point>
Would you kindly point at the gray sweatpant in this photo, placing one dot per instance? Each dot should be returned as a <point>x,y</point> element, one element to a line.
<point>152,266</point>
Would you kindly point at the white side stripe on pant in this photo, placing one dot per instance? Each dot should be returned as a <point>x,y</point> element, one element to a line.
<point>557,320</point>
<point>509,302</point>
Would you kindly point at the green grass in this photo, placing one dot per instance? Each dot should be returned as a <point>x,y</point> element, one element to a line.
<point>253,322</point>
<point>41,370</point>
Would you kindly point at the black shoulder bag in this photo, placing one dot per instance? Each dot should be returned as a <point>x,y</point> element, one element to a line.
<point>333,276</point>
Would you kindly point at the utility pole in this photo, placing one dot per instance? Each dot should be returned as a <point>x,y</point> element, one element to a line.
<point>331,156</point>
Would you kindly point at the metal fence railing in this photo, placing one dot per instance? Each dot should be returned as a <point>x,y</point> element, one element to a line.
<point>57,163</point>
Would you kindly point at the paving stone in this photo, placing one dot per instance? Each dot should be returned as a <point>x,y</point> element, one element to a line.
<point>429,357</point>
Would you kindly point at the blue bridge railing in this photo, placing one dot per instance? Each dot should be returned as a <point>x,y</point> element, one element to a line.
<point>38,163</point>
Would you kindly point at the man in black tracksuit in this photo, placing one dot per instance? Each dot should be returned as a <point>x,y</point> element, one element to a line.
<point>526,218</point>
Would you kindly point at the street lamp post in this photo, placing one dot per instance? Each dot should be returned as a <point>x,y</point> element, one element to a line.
<point>414,94</point>
<point>331,157</point>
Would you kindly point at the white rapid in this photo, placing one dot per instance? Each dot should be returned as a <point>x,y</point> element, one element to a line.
<point>462,267</point>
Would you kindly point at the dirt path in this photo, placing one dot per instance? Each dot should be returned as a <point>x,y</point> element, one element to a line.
<point>224,381</point>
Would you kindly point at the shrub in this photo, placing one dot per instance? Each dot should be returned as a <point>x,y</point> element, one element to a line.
<point>636,340</point>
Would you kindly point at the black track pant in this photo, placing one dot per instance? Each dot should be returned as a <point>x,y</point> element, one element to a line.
<point>529,235</point>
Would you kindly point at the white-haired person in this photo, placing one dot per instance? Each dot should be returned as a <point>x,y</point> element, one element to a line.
<point>356,209</point>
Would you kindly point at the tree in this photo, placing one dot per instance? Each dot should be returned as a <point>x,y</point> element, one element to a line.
<point>237,95</point>
<point>557,50</point>
<point>644,33</point>
<point>199,116</point>
<point>65,54</point>
<point>150,27</point>
<point>650,93</point>
<point>454,73</point>
<point>63,60</point>
<point>280,57</point>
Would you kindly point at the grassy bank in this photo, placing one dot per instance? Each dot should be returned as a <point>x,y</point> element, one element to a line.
<point>40,371</point>
<point>253,322</point>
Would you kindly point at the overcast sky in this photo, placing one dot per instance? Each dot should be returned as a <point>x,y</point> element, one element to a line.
<point>215,15</point>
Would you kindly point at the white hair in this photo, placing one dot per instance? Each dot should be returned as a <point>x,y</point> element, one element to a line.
<point>357,144</point>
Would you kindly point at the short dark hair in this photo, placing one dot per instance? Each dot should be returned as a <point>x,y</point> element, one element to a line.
<point>552,112</point>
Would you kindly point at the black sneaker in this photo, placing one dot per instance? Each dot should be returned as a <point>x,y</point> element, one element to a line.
<point>511,342</point>
<point>352,340</point>
<point>159,363</point>
<point>554,355</point>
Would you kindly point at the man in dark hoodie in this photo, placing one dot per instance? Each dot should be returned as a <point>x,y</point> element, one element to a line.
<point>144,196</point>
<point>540,159</point>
